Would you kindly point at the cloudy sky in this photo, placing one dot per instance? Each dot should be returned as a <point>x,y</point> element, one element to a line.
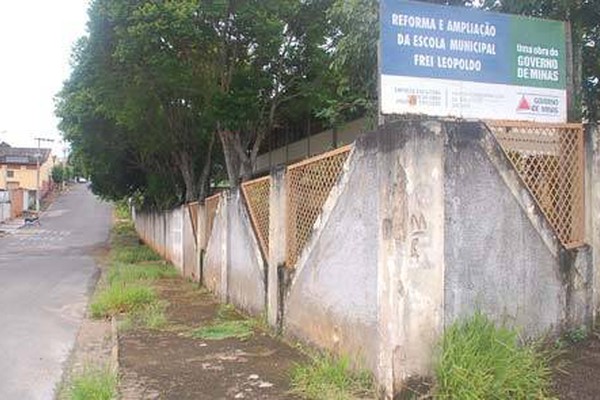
<point>36,37</point>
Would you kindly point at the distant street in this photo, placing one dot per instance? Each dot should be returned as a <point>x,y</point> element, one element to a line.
<point>46,275</point>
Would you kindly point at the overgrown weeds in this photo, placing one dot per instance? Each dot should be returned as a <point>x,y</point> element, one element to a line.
<point>331,378</point>
<point>220,330</point>
<point>152,317</point>
<point>127,285</point>
<point>94,384</point>
<point>481,361</point>
<point>134,254</point>
<point>119,298</point>
<point>128,273</point>
<point>122,210</point>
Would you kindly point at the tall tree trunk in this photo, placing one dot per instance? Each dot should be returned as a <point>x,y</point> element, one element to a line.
<point>203,183</point>
<point>186,167</point>
<point>238,162</point>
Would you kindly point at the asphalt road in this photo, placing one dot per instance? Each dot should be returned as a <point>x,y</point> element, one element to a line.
<point>46,276</point>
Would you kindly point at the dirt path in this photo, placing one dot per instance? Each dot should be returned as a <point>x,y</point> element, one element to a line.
<point>579,378</point>
<point>170,364</point>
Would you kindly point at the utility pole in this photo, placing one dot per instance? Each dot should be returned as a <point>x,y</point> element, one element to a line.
<point>37,158</point>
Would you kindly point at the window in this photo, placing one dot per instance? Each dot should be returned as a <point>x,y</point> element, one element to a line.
<point>10,174</point>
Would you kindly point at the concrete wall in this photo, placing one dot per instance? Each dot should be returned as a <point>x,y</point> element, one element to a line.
<point>410,261</point>
<point>190,252</point>
<point>163,232</point>
<point>501,256</point>
<point>332,299</point>
<point>428,223</point>
<point>592,210</point>
<point>213,266</point>
<point>245,265</point>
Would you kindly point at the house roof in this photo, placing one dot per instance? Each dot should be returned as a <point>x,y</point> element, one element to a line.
<point>22,155</point>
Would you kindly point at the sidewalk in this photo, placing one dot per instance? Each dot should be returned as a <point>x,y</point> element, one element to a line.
<point>10,226</point>
<point>172,364</point>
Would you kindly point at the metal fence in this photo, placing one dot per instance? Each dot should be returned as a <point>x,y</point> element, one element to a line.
<point>257,194</point>
<point>308,186</point>
<point>550,159</point>
<point>211,204</point>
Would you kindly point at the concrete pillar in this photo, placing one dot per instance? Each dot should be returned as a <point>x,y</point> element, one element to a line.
<point>277,245</point>
<point>200,240</point>
<point>592,209</point>
<point>391,183</point>
<point>411,250</point>
<point>225,245</point>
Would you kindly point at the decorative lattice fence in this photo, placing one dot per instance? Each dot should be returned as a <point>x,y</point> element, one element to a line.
<point>211,204</point>
<point>550,160</point>
<point>308,186</point>
<point>257,193</point>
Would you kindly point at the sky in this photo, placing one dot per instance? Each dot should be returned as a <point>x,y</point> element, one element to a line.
<point>36,38</point>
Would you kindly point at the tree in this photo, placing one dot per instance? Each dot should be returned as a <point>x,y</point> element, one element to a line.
<point>268,53</point>
<point>130,108</point>
<point>155,85</point>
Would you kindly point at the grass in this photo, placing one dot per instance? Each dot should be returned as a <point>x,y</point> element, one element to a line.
<point>128,273</point>
<point>151,317</point>
<point>127,289</point>
<point>122,298</point>
<point>94,384</point>
<point>481,361</point>
<point>122,211</point>
<point>134,254</point>
<point>124,229</point>
<point>331,378</point>
<point>240,329</point>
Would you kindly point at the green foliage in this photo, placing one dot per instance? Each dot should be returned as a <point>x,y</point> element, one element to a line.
<point>128,273</point>
<point>481,361</point>
<point>149,317</point>
<point>156,85</point>
<point>120,298</point>
<point>122,210</point>
<point>59,173</point>
<point>94,384</point>
<point>330,378</point>
<point>577,335</point>
<point>127,282</point>
<point>240,329</point>
<point>134,254</point>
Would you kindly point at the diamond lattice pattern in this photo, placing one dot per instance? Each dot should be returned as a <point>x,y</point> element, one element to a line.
<point>308,186</point>
<point>257,194</point>
<point>550,160</point>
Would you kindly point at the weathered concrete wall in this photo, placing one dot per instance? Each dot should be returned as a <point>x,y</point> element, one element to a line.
<point>592,210</point>
<point>410,248</point>
<point>213,269</point>
<point>332,301</point>
<point>502,257</point>
<point>246,268</point>
<point>190,252</point>
<point>428,223</point>
<point>175,237</point>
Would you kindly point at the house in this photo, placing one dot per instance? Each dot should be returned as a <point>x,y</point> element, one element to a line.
<point>19,170</point>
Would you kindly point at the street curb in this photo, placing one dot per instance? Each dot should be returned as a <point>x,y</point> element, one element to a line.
<point>114,353</point>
